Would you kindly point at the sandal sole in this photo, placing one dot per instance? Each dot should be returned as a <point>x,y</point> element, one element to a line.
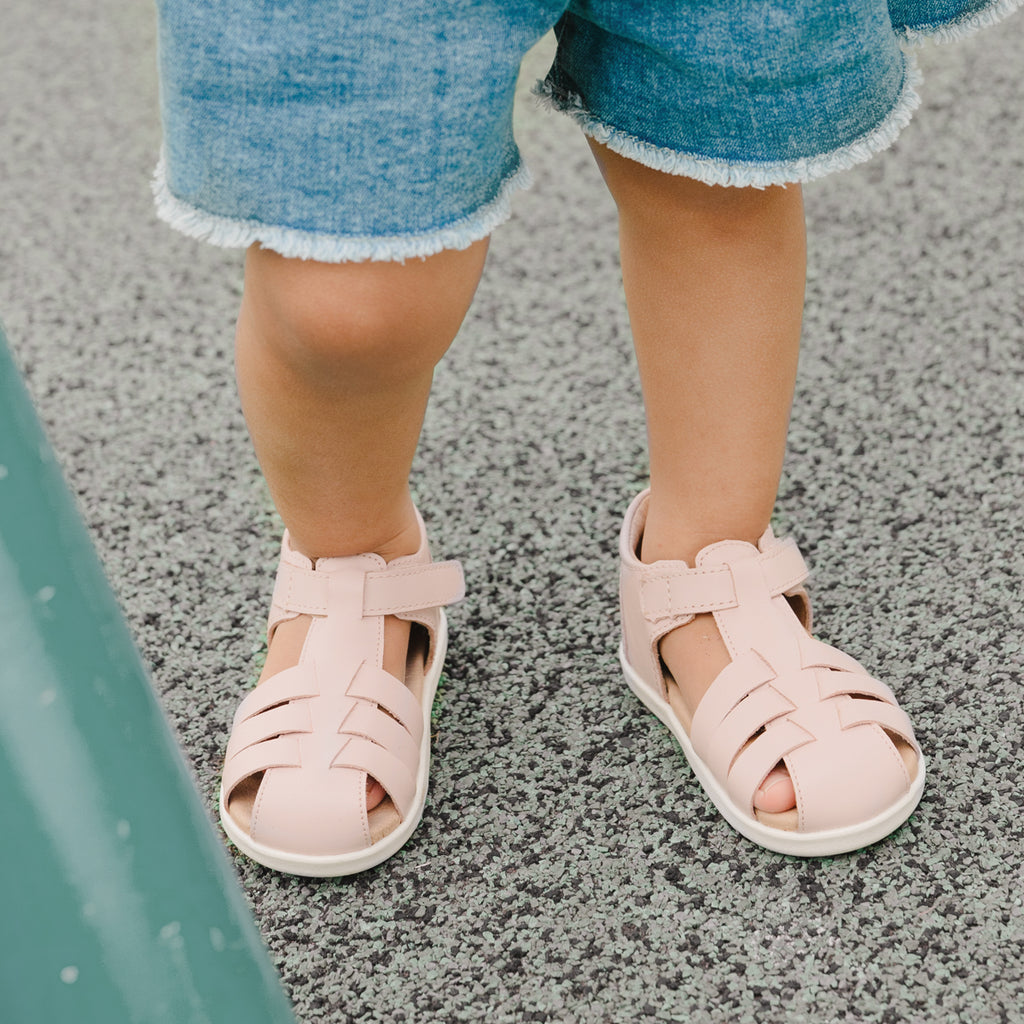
<point>825,843</point>
<point>352,863</point>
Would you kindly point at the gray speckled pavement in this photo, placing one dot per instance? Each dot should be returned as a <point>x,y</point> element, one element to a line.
<point>568,868</point>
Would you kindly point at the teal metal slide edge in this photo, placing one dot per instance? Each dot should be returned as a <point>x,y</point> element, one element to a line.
<point>118,900</point>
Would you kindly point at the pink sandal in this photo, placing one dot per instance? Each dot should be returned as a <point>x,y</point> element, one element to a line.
<point>305,740</point>
<point>785,698</point>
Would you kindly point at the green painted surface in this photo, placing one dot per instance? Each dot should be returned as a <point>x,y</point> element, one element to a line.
<point>119,903</point>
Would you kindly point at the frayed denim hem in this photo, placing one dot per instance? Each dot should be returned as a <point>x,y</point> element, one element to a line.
<point>961,28</point>
<point>324,248</point>
<point>742,174</point>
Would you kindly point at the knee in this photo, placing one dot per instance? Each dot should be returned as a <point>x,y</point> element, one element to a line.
<point>370,321</point>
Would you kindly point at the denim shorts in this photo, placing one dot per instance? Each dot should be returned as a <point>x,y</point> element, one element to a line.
<point>366,129</point>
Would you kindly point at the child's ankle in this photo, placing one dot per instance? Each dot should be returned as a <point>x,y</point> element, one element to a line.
<point>671,538</point>
<point>391,539</point>
<point>405,542</point>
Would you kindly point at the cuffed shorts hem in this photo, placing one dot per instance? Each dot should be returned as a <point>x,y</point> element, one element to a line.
<point>985,16</point>
<point>293,243</point>
<point>742,174</point>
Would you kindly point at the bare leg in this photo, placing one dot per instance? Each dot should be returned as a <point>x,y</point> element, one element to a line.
<point>334,365</point>
<point>714,281</point>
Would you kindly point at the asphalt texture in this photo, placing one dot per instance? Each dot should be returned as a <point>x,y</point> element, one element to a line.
<point>568,868</point>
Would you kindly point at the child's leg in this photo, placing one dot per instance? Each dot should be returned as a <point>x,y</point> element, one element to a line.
<point>714,281</point>
<point>334,365</point>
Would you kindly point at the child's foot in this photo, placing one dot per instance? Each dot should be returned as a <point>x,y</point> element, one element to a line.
<point>326,770</point>
<point>720,653</point>
<point>283,652</point>
<point>694,654</point>
<point>285,648</point>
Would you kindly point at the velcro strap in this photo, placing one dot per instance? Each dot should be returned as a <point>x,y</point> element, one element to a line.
<point>391,591</point>
<point>689,591</point>
<point>413,588</point>
<point>300,591</point>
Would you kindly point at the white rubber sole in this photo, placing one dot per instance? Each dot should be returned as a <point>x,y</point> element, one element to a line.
<point>796,844</point>
<point>339,865</point>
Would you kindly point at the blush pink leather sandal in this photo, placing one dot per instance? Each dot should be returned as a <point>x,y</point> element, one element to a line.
<point>305,740</point>
<point>785,697</point>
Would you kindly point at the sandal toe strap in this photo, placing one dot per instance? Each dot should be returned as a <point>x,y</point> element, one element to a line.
<point>830,725</point>
<point>849,777</point>
<point>310,740</point>
<point>389,769</point>
<point>890,717</point>
<point>311,814</point>
<point>292,684</point>
<point>374,686</point>
<point>277,752</point>
<point>288,719</point>
<point>752,764</point>
<point>841,778</point>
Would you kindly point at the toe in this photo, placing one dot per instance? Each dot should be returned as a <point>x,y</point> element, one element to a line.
<point>776,793</point>
<point>374,793</point>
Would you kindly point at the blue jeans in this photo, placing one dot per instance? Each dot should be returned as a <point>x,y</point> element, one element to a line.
<point>362,129</point>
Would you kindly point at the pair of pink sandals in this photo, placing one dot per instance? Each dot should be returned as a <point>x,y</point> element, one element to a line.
<point>305,742</point>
